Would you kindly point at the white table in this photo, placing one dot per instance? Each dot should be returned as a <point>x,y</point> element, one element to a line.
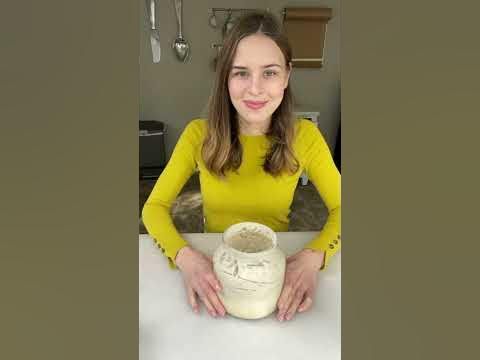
<point>169,330</point>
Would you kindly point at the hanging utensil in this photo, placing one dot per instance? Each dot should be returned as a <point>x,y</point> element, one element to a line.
<point>154,33</point>
<point>213,20</point>
<point>228,23</point>
<point>180,45</point>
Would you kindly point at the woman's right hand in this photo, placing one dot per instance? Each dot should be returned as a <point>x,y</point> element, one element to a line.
<point>200,280</point>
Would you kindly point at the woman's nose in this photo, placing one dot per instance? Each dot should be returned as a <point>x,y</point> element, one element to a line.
<point>255,85</point>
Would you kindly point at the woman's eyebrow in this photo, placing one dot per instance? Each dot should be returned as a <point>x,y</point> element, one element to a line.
<point>245,68</point>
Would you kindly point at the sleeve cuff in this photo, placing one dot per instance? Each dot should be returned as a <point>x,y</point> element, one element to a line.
<point>172,251</point>
<point>330,246</point>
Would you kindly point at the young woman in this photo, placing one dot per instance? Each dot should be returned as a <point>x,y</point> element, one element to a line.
<point>250,153</point>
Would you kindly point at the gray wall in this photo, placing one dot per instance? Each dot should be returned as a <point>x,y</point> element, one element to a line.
<point>175,92</point>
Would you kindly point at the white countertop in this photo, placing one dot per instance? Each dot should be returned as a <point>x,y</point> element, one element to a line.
<point>169,330</point>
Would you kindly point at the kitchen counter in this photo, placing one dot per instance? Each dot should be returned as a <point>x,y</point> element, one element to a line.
<point>169,330</point>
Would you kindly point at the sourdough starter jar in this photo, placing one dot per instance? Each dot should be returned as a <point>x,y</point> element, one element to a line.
<point>251,269</point>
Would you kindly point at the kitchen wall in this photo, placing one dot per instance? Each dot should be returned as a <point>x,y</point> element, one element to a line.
<point>175,92</point>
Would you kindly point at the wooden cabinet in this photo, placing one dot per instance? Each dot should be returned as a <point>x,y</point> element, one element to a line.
<point>306,29</point>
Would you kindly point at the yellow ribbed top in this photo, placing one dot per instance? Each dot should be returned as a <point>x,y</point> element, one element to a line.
<point>249,194</point>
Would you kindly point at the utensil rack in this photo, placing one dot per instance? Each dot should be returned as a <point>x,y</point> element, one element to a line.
<point>230,10</point>
<point>214,10</point>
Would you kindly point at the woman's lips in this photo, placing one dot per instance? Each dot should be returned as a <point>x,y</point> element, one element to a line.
<point>255,105</point>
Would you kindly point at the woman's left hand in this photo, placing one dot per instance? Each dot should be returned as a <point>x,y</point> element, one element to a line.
<point>300,283</point>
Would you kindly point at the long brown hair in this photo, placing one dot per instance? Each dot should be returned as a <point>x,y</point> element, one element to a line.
<point>222,150</point>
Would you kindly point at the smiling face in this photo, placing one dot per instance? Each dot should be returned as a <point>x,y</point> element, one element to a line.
<point>256,83</point>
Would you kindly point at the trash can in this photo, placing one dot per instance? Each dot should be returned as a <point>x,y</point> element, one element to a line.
<point>152,148</point>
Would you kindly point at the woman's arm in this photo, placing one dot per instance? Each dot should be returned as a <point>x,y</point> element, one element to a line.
<point>197,269</point>
<point>323,173</point>
<point>156,211</point>
<point>301,274</point>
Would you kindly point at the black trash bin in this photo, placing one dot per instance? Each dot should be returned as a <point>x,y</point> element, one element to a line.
<point>152,148</point>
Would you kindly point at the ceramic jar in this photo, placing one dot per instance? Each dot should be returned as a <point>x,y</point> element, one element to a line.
<point>251,269</point>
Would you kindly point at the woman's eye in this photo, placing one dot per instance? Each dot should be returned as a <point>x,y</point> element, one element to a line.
<point>241,74</point>
<point>245,74</point>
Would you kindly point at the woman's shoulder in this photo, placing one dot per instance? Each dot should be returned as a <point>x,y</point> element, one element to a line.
<point>308,136</point>
<point>196,128</point>
<point>197,124</point>
<point>306,129</point>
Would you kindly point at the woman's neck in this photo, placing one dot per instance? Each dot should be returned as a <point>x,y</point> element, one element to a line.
<point>253,129</point>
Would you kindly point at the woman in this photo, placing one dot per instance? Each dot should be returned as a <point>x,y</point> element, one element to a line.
<point>250,153</point>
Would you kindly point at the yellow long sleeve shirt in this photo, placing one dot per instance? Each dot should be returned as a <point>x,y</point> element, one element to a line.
<point>249,194</point>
